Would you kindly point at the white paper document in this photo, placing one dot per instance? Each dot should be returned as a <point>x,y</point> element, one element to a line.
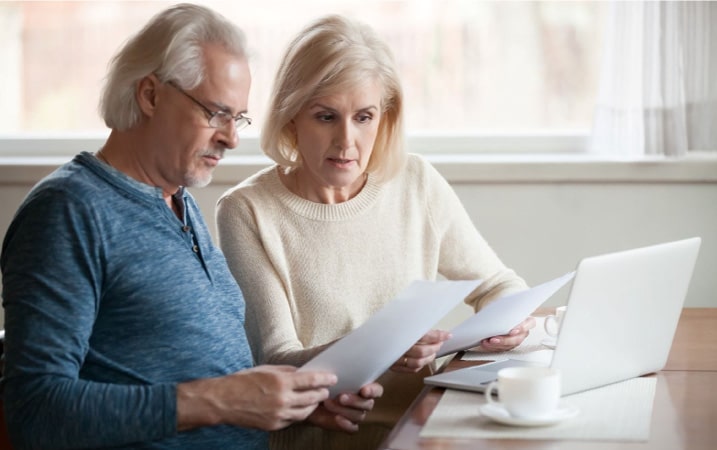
<point>363,355</point>
<point>501,315</point>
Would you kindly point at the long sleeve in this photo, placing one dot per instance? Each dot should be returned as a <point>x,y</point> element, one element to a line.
<point>269,320</point>
<point>51,278</point>
<point>464,253</point>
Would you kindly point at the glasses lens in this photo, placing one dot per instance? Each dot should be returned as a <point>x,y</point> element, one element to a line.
<point>242,122</point>
<point>219,119</point>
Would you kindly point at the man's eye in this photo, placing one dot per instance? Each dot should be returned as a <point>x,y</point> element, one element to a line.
<point>222,118</point>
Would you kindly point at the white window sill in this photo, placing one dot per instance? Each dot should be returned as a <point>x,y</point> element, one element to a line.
<point>468,158</point>
<point>461,168</point>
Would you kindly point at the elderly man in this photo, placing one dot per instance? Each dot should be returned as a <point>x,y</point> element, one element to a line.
<point>124,327</point>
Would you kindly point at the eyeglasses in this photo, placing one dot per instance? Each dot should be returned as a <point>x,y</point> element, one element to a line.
<point>217,119</point>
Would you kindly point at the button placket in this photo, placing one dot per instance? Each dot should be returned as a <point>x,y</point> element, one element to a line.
<point>192,239</point>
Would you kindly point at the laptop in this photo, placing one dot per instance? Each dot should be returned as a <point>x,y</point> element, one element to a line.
<point>622,314</point>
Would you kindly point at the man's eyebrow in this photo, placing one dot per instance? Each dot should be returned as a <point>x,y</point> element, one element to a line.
<point>223,107</point>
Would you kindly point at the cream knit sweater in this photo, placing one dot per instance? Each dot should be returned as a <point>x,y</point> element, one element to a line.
<point>312,272</point>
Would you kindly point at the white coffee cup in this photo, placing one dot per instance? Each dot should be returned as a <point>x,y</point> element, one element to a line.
<point>527,392</point>
<point>552,322</point>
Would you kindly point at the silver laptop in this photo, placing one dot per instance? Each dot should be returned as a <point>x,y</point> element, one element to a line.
<point>622,314</point>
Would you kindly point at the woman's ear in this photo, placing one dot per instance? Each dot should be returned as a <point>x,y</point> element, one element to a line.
<point>291,128</point>
<point>146,94</point>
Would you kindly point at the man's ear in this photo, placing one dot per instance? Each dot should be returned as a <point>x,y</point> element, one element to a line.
<point>147,94</point>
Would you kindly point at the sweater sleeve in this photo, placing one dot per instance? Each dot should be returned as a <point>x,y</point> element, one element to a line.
<point>269,323</point>
<point>464,253</point>
<point>52,274</point>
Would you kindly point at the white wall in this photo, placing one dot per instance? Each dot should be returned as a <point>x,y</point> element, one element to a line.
<point>540,218</point>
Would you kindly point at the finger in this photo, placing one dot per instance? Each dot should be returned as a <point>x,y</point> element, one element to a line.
<point>355,415</point>
<point>523,327</point>
<point>356,402</point>
<point>413,365</point>
<point>511,342</point>
<point>311,397</point>
<point>314,380</point>
<point>434,337</point>
<point>502,343</point>
<point>298,413</point>
<point>518,332</point>
<point>423,350</point>
<point>401,366</point>
<point>402,362</point>
<point>372,390</point>
<point>346,425</point>
<point>492,343</point>
<point>529,323</point>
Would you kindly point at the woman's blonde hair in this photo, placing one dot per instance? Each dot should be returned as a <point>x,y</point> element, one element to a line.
<point>170,46</point>
<point>335,54</point>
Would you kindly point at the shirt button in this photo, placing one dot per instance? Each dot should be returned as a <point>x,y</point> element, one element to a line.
<point>186,228</point>
<point>195,249</point>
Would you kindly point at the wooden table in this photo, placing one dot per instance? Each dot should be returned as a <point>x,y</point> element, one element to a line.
<point>684,414</point>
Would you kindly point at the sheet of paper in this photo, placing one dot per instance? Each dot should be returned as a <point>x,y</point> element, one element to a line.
<point>363,355</point>
<point>501,315</point>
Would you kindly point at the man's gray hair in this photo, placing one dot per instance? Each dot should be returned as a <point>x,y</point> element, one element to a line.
<point>170,46</point>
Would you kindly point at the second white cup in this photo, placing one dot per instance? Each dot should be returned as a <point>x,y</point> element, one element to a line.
<point>527,392</point>
<point>552,322</point>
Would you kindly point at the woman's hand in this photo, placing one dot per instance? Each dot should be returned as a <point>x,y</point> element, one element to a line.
<point>422,353</point>
<point>346,411</point>
<point>508,341</point>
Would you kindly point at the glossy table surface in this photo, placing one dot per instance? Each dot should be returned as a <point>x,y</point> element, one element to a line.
<point>684,412</point>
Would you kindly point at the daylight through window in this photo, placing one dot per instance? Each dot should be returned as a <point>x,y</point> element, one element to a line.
<point>492,67</point>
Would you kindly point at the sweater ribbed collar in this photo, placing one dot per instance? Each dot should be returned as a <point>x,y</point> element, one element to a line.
<point>321,211</point>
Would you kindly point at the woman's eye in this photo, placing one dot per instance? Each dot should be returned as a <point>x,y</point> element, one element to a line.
<point>325,117</point>
<point>363,118</point>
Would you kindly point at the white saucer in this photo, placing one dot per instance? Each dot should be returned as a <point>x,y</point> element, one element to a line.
<point>497,412</point>
<point>549,342</point>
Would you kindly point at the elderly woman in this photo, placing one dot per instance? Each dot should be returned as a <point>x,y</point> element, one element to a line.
<point>345,220</point>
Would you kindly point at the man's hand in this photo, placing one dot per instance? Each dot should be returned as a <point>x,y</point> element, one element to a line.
<point>346,411</point>
<point>265,397</point>
<point>422,353</point>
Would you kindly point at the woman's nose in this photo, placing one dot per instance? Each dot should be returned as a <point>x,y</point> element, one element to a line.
<point>344,135</point>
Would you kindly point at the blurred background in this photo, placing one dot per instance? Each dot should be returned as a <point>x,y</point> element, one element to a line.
<point>466,65</point>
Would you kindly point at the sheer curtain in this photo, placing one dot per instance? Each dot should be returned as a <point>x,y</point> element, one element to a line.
<point>658,86</point>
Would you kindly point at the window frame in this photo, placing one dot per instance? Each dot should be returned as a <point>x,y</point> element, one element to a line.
<point>67,144</point>
<point>527,158</point>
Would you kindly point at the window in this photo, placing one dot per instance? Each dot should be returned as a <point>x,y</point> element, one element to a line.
<point>489,68</point>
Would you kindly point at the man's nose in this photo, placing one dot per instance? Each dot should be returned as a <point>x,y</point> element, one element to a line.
<point>227,136</point>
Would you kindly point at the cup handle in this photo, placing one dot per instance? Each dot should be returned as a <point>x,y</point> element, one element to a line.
<point>551,325</point>
<point>489,391</point>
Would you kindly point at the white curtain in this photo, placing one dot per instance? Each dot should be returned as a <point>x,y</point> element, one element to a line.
<point>658,85</point>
